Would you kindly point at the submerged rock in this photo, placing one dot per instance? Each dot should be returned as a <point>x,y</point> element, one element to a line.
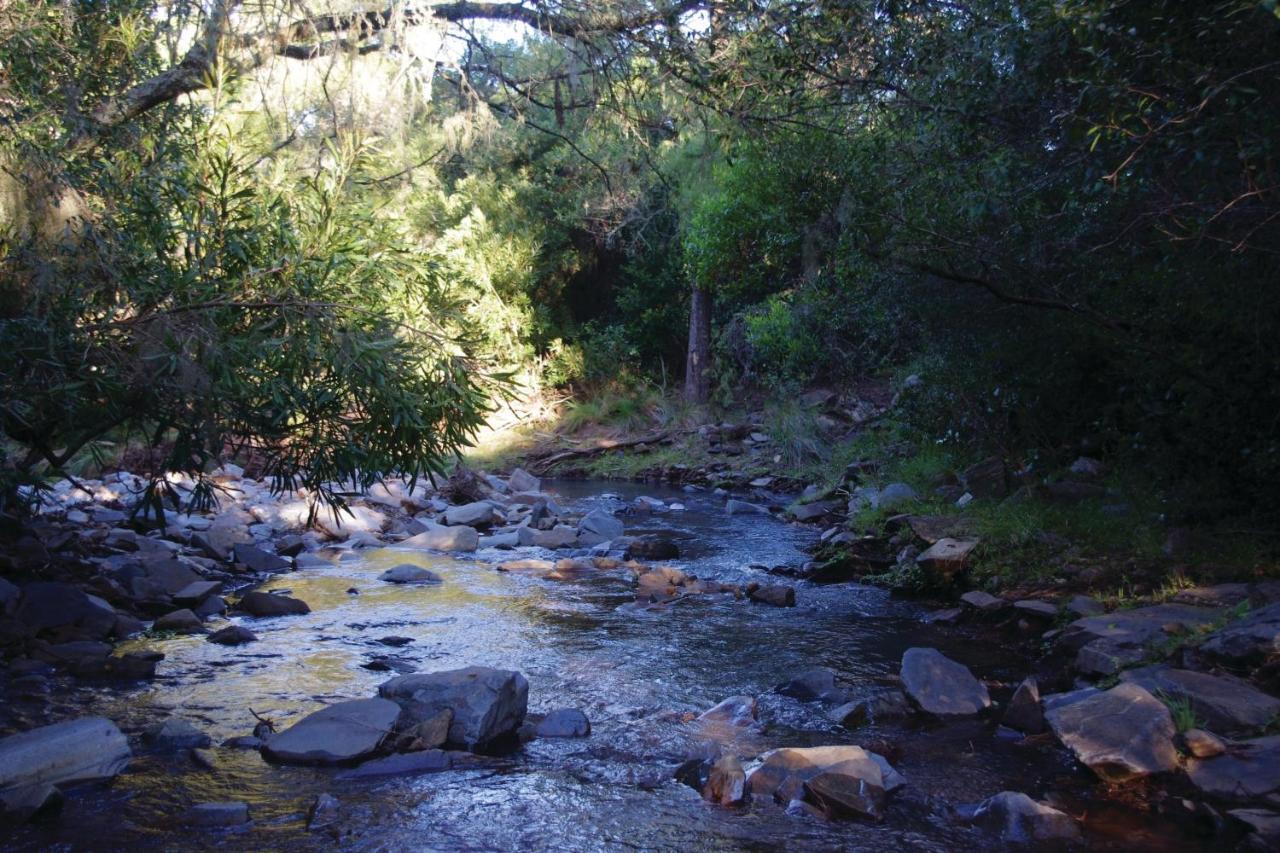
<point>176,733</point>
<point>735,711</point>
<point>233,635</point>
<point>410,574</point>
<point>812,684</point>
<point>81,750</point>
<point>940,686</point>
<point>218,814</point>
<point>564,722</point>
<point>424,761</point>
<point>735,507</point>
<point>339,733</point>
<point>1120,734</point>
<point>1016,818</point>
<point>488,704</point>
<point>324,811</point>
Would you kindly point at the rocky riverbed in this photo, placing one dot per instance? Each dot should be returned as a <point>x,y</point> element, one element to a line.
<point>506,664</point>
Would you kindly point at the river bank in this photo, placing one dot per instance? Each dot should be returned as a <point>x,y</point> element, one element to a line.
<point>552,586</point>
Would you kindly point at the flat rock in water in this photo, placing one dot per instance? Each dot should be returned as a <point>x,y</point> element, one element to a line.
<point>887,704</point>
<point>233,635</point>
<point>176,733</point>
<point>940,686</point>
<point>1228,705</point>
<point>1247,771</point>
<point>75,751</point>
<point>440,538</point>
<point>218,814</point>
<point>1016,818</point>
<point>736,507</point>
<point>488,704</point>
<point>776,595</point>
<point>652,548</point>
<point>267,604</point>
<point>424,761</point>
<point>983,602</point>
<point>339,733</point>
<point>1120,734</point>
<point>409,573</point>
<point>564,722</point>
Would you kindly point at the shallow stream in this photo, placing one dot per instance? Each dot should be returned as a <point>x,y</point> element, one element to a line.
<point>637,673</point>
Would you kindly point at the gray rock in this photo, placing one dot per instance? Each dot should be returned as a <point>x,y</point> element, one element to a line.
<point>940,686</point>
<point>196,592</point>
<point>1248,770</point>
<point>409,573</point>
<point>9,594</point>
<point>343,732</point>
<point>218,814</point>
<point>735,507</point>
<point>947,557</point>
<point>423,761</point>
<point>477,514</point>
<point>983,602</point>
<point>1120,734</point>
<point>488,704</point>
<point>601,523</point>
<point>266,604</point>
<point>1262,826</point>
<point>652,548</point>
<point>179,622</point>
<point>22,804</point>
<point>556,537</point>
<point>1024,712</point>
<point>257,560</point>
<point>894,496</point>
<point>739,711</point>
<point>1036,609</point>
<point>853,780</point>
<point>324,811</point>
<point>812,684</point>
<point>1228,705</point>
<point>776,595</point>
<point>1249,641</point>
<point>1102,657</point>
<point>441,538</point>
<point>887,704</point>
<point>176,733</point>
<point>81,750</point>
<point>522,481</point>
<point>1135,628</point>
<point>1083,606</point>
<point>564,722</point>
<point>1202,744</point>
<point>47,604</point>
<point>813,511</point>
<point>233,635</point>
<point>1018,819</point>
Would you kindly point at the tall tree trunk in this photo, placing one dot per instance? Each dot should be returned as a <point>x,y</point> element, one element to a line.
<point>697,368</point>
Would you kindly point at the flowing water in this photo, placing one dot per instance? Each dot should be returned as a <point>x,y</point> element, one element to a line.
<point>638,673</point>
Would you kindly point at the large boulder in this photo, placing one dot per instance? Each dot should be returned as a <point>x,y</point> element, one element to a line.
<point>46,605</point>
<point>340,733</point>
<point>267,604</point>
<point>477,514</point>
<point>522,481</point>
<point>437,537</point>
<point>842,780</point>
<point>1120,734</point>
<point>1016,818</point>
<point>81,750</point>
<point>940,686</point>
<point>1227,705</point>
<point>488,704</point>
<point>600,523</point>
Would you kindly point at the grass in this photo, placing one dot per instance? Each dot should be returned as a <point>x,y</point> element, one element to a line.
<point>1184,716</point>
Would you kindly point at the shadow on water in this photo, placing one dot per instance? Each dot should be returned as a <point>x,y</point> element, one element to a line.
<point>635,672</point>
